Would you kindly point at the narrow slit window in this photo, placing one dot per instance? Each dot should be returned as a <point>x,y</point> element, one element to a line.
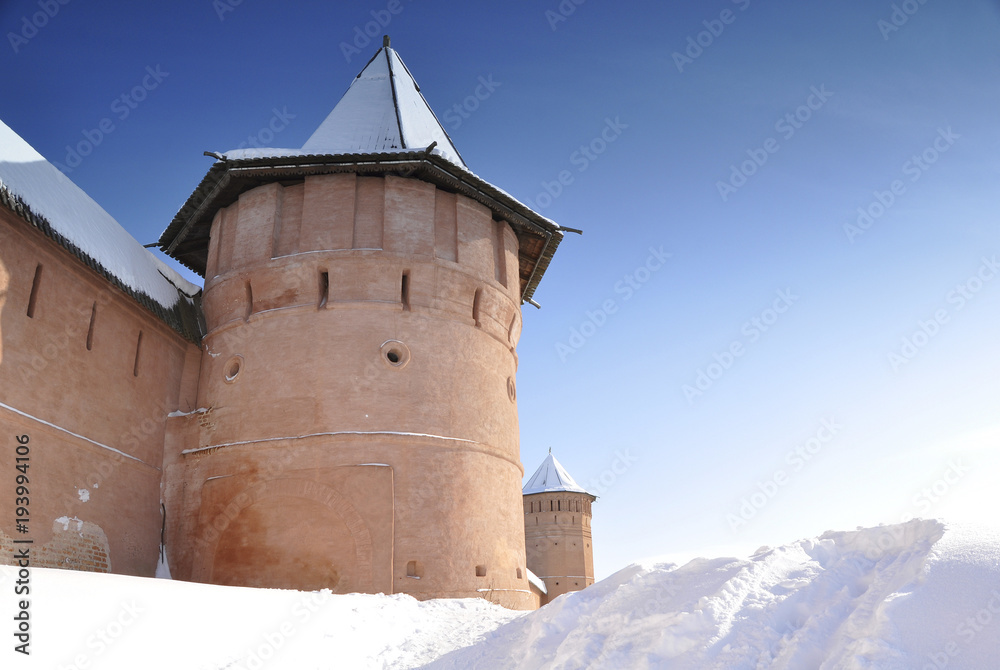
<point>480,571</point>
<point>324,289</point>
<point>475,306</point>
<point>499,257</point>
<point>90,329</point>
<point>33,298</point>
<point>249,300</point>
<point>138,351</point>
<point>404,291</point>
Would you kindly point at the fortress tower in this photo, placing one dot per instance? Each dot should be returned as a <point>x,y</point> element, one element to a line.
<point>557,530</point>
<point>356,417</point>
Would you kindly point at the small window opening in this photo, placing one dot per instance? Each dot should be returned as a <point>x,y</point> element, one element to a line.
<point>480,571</point>
<point>324,289</point>
<point>404,291</point>
<point>233,367</point>
<point>138,350</point>
<point>249,300</point>
<point>519,573</point>
<point>559,505</point>
<point>475,306</point>
<point>90,329</point>
<point>414,570</point>
<point>33,297</point>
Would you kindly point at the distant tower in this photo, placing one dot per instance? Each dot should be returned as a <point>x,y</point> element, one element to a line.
<point>557,530</point>
<point>358,424</point>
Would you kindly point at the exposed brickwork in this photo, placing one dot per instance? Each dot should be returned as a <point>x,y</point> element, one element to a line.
<point>76,545</point>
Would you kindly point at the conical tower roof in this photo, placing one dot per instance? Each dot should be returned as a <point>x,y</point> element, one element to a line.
<point>382,111</point>
<point>551,477</point>
<point>381,126</point>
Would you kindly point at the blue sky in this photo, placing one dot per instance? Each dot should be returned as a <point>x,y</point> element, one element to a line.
<point>741,138</point>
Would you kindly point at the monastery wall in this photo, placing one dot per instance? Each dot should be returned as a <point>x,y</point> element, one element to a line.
<point>89,375</point>
<point>357,424</point>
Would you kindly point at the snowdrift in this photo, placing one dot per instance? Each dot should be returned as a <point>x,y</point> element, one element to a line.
<point>915,595</point>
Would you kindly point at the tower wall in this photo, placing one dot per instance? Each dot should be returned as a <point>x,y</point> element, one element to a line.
<point>558,540</point>
<point>357,427</point>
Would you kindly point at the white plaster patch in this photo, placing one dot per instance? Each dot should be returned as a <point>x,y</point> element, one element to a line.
<point>65,521</point>
<point>84,494</point>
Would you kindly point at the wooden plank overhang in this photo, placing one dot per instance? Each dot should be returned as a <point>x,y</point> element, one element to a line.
<point>184,316</point>
<point>186,238</point>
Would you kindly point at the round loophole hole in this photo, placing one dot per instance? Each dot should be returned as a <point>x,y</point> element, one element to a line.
<point>395,353</point>
<point>233,368</point>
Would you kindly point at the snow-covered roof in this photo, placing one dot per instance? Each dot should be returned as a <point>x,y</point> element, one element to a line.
<point>382,125</point>
<point>66,214</point>
<point>550,477</point>
<point>383,110</point>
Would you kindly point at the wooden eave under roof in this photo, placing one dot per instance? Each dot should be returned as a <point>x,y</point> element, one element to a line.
<point>186,238</point>
<point>184,316</point>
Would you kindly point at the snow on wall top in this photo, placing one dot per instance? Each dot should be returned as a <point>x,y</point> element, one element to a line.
<point>536,582</point>
<point>382,111</point>
<point>550,477</point>
<point>74,215</point>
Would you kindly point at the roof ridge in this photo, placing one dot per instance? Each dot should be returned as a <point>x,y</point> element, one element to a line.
<point>362,122</point>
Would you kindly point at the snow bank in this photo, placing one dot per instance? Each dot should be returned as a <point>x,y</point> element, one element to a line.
<point>914,596</point>
<point>894,597</point>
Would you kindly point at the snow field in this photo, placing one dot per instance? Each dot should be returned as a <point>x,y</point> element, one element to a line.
<point>919,595</point>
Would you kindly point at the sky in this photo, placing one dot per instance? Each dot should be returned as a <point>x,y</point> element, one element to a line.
<point>782,315</point>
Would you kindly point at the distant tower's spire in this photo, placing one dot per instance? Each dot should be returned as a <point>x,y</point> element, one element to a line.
<point>385,40</point>
<point>550,450</point>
